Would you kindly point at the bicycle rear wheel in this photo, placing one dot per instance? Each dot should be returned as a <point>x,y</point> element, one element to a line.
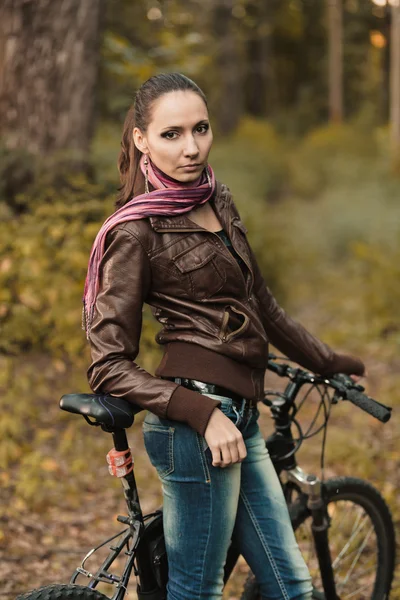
<point>361,541</point>
<point>63,592</point>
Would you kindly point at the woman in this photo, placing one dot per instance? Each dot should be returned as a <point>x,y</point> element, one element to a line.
<point>177,243</point>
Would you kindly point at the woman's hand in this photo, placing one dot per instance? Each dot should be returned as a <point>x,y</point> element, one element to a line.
<point>224,440</point>
<point>357,378</point>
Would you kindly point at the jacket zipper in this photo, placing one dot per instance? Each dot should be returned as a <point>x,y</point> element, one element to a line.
<point>225,250</point>
<point>226,337</point>
<point>225,321</point>
<point>244,260</point>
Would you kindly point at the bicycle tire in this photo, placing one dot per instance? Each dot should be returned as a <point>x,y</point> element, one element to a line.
<point>63,592</point>
<point>362,494</point>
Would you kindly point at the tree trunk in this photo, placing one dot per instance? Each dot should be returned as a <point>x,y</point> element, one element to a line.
<point>385,91</point>
<point>335,26</point>
<point>230,97</point>
<point>259,92</point>
<point>49,58</point>
<point>395,79</point>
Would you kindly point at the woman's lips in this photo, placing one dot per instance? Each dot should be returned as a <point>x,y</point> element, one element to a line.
<point>191,167</point>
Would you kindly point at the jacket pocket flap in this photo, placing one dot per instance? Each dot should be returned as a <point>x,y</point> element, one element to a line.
<point>195,258</point>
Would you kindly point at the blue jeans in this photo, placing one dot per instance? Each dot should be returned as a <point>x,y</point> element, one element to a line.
<point>205,507</point>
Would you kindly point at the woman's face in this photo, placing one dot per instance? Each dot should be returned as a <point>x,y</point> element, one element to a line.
<point>179,134</point>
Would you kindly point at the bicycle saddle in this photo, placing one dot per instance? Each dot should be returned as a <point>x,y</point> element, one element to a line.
<point>105,410</point>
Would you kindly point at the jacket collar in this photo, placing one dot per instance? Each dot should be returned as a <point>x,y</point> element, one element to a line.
<point>220,202</point>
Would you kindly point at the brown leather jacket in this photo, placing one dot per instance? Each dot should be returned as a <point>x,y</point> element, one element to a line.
<point>216,323</point>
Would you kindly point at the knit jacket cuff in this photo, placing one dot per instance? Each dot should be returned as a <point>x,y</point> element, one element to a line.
<point>192,408</point>
<point>345,363</point>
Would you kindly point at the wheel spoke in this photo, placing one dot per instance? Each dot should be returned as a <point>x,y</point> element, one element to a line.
<point>355,593</point>
<point>361,549</point>
<point>345,521</point>
<point>349,542</point>
<point>349,557</point>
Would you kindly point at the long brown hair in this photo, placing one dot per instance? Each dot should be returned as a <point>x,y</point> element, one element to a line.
<point>139,114</point>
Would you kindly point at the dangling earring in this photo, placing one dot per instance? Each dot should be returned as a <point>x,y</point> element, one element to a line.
<point>146,177</point>
<point>208,176</point>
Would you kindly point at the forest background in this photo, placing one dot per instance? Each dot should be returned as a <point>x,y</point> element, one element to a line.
<point>304,101</point>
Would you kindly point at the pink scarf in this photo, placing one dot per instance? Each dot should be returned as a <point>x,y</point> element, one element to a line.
<point>169,198</point>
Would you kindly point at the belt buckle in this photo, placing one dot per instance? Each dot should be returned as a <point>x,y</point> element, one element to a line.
<point>202,387</point>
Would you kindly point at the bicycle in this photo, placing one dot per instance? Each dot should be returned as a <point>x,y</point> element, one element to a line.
<point>355,560</point>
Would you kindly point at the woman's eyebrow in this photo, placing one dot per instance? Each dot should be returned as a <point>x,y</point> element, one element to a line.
<point>179,128</point>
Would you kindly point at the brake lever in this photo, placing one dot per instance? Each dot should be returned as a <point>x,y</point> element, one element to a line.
<point>347,382</point>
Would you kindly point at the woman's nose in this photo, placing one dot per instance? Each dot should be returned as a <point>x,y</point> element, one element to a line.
<point>191,148</point>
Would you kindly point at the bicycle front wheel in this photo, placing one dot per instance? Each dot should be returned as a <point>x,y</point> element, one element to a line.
<point>361,541</point>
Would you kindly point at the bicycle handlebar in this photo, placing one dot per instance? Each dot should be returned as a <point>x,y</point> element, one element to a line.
<point>369,405</point>
<point>343,385</point>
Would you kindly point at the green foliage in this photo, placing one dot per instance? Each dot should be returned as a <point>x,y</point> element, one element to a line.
<point>43,261</point>
<point>284,44</point>
<point>252,160</point>
<point>370,312</point>
<point>338,256</point>
<point>16,172</point>
<point>141,41</point>
<point>328,155</point>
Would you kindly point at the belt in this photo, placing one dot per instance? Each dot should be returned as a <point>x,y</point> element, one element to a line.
<point>211,388</point>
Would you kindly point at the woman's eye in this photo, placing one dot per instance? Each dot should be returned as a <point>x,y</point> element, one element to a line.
<point>168,135</point>
<point>171,135</point>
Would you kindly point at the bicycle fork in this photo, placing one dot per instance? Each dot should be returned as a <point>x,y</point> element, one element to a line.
<point>311,486</point>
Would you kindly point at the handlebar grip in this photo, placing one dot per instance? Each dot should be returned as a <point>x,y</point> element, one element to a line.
<point>280,370</point>
<point>369,405</point>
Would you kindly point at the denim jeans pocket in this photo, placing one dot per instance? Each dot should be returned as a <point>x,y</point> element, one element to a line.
<point>159,443</point>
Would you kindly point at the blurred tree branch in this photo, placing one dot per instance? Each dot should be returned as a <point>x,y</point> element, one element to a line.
<point>335,25</point>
